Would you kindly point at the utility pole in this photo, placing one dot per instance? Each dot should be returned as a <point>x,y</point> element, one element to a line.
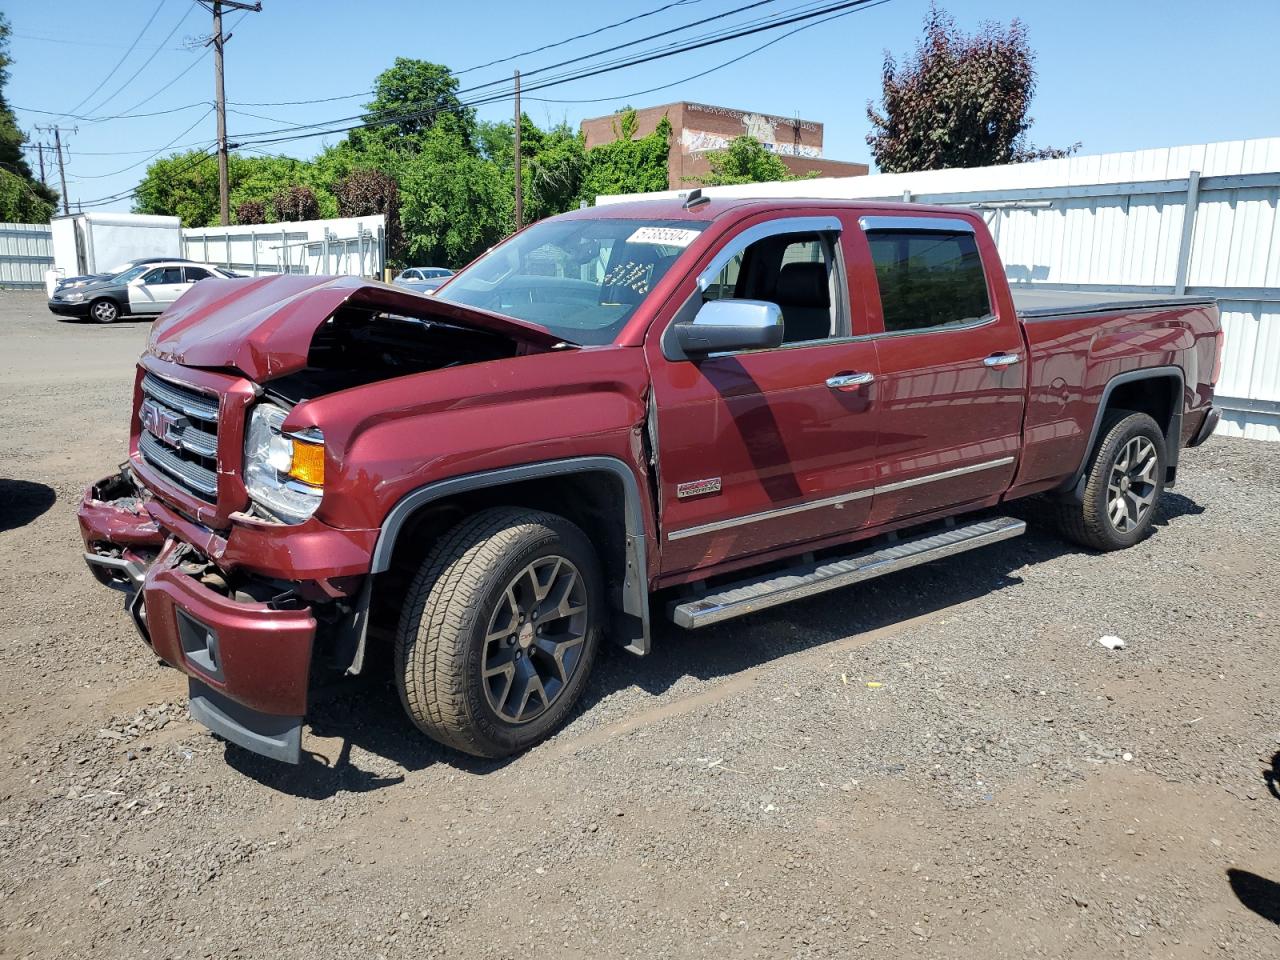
<point>219,41</point>
<point>519,181</point>
<point>40,149</point>
<point>62,169</point>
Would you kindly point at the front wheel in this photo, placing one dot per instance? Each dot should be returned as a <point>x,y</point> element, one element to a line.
<point>1123,484</point>
<point>499,631</point>
<point>104,310</point>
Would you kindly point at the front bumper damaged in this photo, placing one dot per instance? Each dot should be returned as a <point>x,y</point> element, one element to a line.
<point>245,641</point>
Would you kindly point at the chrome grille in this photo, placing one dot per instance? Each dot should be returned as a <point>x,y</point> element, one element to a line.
<point>180,434</point>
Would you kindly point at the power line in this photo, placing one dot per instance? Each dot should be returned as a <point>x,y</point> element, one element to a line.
<point>145,63</point>
<point>586,73</point>
<point>205,154</point>
<point>478,66</point>
<point>719,66</point>
<point>118,116</point>
<point>113,173</point>
<point>94,92</point>
<point>589,56</point>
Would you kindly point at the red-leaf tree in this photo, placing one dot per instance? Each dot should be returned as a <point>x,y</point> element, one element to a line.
<point>960,101</point>
<point>365,192</point>
<point>296,203</point>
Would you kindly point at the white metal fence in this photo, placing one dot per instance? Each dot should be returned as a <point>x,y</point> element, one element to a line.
<point>354,246</point>
<point>1198,220</point>
<point>26,252</point>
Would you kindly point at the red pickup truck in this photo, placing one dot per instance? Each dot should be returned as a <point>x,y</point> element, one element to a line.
<point>721,405</point>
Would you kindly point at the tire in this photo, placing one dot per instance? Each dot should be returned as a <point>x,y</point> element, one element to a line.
<point>1124,480</point>
<point>104,310</point>
<point>465,656</point>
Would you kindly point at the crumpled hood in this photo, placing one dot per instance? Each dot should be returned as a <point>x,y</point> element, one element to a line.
<point>263,326</point>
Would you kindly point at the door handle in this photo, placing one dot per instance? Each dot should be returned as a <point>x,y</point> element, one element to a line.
<point>999,360</point>
<point>843,381</point>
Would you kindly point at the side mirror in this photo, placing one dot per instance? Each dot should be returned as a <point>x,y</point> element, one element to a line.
<point>723,326</point>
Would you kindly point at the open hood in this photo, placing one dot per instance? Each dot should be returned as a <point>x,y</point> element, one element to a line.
<point>264,326</point>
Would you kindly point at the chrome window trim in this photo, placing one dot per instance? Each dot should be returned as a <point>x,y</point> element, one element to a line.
<point>730,522</point>
<point>942,224</point>
<point>770,228</point>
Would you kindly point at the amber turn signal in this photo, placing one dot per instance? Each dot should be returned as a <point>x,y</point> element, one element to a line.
<point>308,463</point>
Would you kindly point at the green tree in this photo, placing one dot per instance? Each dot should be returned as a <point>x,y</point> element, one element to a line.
<point>960,101</point>
<point>627,165</point>
<point>23,198</point>
<point>183,185</point>
<point>745,161</point>
<point>413,97</point>
<point>453,203</point>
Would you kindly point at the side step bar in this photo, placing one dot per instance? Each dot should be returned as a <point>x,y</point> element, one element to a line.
<point>805,580</point>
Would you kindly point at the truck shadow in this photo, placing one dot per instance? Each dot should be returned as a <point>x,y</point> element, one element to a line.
<point>377,745</point>
<point>1259,894</point>
<point>22,501</point>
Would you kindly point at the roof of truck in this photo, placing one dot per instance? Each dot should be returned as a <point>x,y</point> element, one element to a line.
<point>672,208</point>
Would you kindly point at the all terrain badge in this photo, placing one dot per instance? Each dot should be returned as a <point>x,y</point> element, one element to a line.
<point>697,488</point>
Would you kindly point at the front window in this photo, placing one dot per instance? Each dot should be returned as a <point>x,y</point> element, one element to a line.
<point>581,279</point>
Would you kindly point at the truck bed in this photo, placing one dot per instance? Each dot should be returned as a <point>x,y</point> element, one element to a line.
<point>1032,301</point>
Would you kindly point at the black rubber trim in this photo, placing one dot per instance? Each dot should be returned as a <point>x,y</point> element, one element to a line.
<point>635,587</point>
<point>277,737</point>
<point>1075,485</point>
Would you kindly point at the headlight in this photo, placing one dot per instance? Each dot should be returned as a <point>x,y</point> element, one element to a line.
<point>74,297</point>
<point>284,473</point>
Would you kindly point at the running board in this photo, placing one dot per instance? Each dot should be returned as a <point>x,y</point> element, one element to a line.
<point>805,580</point>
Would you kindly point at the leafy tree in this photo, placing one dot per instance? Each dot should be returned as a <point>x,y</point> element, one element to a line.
<point>262,178</point>
<point>745,161</point>
<point>183,185</point>
<point>412,97</point>
<point>23,198</point>
<point>629,166</point>
<point>251,211</point>
<point>295,203</point>
<point>365,192</point>
<point>453,203</point>
<point>960,101</point>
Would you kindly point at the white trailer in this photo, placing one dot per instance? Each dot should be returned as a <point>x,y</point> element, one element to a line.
<point>87,243</point>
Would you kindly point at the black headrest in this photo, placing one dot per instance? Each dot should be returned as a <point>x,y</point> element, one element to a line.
<point>803,285</point>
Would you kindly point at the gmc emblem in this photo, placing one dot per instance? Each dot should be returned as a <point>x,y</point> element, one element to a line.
<point>161,423</point>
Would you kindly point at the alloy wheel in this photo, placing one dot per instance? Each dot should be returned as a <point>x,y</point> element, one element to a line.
<point>534,642</point>
<point>104,311</point>
<point>1131,488</point>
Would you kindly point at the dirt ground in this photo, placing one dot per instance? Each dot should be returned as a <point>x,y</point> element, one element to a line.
<point>942,763</point>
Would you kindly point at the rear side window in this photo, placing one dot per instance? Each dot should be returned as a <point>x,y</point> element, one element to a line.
<point>197,273</point>
<point>928,279</point>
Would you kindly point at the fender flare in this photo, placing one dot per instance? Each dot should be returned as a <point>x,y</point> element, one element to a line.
<point>635,628</point>
<point>1075,486</point>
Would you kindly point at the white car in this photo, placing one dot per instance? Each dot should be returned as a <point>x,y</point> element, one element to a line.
<point>142,290</point>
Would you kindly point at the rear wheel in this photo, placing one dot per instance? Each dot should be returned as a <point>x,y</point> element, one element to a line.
<point>104,310</point>
<point>1123,484</point>
<point>499,631</point>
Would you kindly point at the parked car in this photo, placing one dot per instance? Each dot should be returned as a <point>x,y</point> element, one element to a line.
<point>147,288</point>
<point>80,281</point>
<point>423,279</point>
<point>701,409</point>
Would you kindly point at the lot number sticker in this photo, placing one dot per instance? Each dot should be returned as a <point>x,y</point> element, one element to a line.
<point>667,236</point>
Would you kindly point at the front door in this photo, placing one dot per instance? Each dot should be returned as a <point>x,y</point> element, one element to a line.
<point>952,369</point>
<point>768,448</point>
<point>156,289</point>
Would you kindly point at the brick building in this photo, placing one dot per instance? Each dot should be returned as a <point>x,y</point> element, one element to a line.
<point>699,129</point>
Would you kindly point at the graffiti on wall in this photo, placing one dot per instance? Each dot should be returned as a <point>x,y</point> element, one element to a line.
<point>760,126</point>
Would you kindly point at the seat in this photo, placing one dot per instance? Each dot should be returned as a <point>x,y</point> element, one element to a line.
<point>804,295</point>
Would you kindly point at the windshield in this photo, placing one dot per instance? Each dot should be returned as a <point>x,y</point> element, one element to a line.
<point>119,269</point>
<point>581,279</point>
<point>131,273</point>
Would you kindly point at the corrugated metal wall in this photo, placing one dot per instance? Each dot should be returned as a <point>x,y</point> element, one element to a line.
<point>1120,222</point>
<point>26,252</point>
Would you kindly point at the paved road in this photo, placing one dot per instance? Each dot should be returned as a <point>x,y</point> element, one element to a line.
<point>1009,789</point>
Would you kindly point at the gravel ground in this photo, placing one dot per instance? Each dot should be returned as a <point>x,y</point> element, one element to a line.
<point>942,763</point>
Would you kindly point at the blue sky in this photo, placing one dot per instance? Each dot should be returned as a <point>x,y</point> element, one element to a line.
<point>1117,75</point>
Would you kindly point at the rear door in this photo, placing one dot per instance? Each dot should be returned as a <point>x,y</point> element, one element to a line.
<point>951,366</point>
<point>763,449</point>
<point>156,289</point>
